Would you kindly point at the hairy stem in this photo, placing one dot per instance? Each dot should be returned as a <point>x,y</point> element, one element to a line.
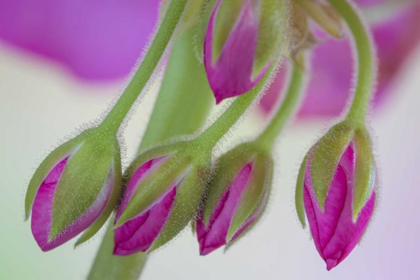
<point>181,108</point>
<point>120,110</point>
<point>365,61</point>
<point>287,108</point>
<point>212,135</point>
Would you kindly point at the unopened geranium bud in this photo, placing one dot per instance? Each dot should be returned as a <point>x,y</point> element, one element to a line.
<point>164,187</point>
<point>337,190</point>
<point>236,197</point>
<point>243,38</point>
<point>75,189</point>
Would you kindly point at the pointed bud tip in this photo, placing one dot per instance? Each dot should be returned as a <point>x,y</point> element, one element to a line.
<point>218,100</point>
<point>331,263</point>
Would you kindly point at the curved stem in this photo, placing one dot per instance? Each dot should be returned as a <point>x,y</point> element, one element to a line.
<point>171,116</point>
<point>212,135</point>
<point>120,110</point>
<point>365,62</point>
<point>288,106</point>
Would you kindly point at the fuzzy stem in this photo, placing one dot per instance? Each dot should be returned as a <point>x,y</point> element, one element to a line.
<point>120,110</point>
<point>181,108</point>
<point>287,108</point>
<point>212,135</point>
<point>365,61</point>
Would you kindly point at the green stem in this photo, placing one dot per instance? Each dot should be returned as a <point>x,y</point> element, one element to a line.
<point>366,67</point>
<point>120,110</point>
<point>212,135</point>
<point>185,97</point>
<point>287,108</point>
<point>108,267</point>
<point>181,108</point>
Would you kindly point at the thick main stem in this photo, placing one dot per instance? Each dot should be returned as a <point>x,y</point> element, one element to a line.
<point>120,110</point>
<point>212,135</point>
<point>287,108</point>
<point>365,61</point>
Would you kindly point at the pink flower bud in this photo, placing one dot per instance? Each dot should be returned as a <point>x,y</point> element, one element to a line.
<point>75,189</point>
<point>335,229</point>
<point>241,42</point>
<point>42,211</point>
<point>236,198</point>
<point>139,233</point>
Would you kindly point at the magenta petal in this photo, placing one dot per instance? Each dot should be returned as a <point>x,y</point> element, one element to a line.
<point>251,219</point>
<point>131,187</point>
<point>232,73</point>
<point>42,206</point>
<point>138,234</point>
<point>334,232</point>
<point>42,210</point>
<point>135,179</point>
<point>215,235</point>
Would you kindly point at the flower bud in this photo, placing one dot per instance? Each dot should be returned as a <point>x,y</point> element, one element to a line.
<point>75,189</point>
<point>336,190</point>
<point>237,196</point>
<point>243,38</point>
<point>164,187</point>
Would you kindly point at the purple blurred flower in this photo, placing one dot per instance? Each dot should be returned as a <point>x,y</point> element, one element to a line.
<point>101,41</point>
<point>97,40</point>
<point>332,64</point>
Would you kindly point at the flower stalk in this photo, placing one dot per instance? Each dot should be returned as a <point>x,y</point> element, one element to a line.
<point>337,181</point>
<point>169,23</point>
<point>213,134</point>
<point>169,118</point>
<point>287,109</point>
<point>366,69</point>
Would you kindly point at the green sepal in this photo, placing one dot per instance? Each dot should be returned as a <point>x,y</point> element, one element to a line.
<point>157,182</point>
<point>259,184</point>
<point>227,168</point>
<point>116,176</point>
<point>201,27</point>
<point>253,224</point>
<point>225,20</point>
<point>273,33</point>
<point>83,178</point>
<point>365,171</point>
<point>61,152</point>
<point>187,202</point>
<point>326,156</point>
<point>300,185</point>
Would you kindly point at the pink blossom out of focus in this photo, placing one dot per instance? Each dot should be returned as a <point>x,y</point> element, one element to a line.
<point>139,233</point>
<point>330,85</point>
<point>333,230</point>
<point>97,40</point>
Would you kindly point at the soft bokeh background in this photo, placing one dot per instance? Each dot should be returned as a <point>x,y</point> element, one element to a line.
<point>40,104</point>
